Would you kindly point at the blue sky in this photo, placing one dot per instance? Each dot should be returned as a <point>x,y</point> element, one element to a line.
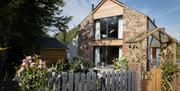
<point>165,12</point>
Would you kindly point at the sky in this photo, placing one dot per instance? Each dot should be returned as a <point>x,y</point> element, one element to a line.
<point>165,12</point>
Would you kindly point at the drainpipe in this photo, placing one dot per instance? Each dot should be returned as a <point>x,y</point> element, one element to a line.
<point>92,26</point>
<point>147,55</point>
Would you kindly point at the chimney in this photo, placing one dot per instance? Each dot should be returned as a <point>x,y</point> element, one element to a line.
<point>92,7</point>
<point>154,21</point>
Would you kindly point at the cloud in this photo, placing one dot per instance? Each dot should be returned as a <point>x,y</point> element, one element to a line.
<point>171,11</point>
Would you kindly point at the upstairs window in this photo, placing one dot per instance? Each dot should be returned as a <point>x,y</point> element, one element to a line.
<point>108,28</point>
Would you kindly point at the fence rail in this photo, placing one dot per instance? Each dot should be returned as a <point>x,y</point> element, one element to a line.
<point>110,81</point>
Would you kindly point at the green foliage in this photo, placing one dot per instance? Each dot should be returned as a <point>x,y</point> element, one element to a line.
<point>36,76</point>
<point>61,66</point>
<point>67,37</point>
<point>23,20</point>
<point>169,71</point>
<point>178,51</point>
<point>33,79</point>
<point>121,63</point>
<point>2,49</point>
<point>79,65</point>
<point>168,68</point>
<point>76,65</point>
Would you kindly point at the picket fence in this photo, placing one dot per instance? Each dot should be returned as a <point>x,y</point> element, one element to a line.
<point>107,81</point>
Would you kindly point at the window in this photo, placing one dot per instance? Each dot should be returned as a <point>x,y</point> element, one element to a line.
<point>108,28</point>
<point>103,27</point>
<point>155,56</point>
<point>112,27</point>
<point>106,54</point>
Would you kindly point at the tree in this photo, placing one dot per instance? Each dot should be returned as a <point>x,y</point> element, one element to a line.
<point>67,37</point>
<point>21,21</point>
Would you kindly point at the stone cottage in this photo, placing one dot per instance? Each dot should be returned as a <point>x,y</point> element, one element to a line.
<point>103,33</point>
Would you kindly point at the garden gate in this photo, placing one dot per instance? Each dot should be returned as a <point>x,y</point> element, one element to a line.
<point>152,81</point>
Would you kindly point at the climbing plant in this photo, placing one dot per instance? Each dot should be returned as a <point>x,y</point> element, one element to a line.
<point>168,69</point>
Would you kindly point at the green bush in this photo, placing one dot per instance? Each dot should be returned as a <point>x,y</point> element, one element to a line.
<point>35,77</point>
<point>169,71</point>
<point>120,63</point>
<point>79,65</point>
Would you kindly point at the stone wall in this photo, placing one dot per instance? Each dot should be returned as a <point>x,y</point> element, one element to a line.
<point>134,22</point>
<point>85,48</point>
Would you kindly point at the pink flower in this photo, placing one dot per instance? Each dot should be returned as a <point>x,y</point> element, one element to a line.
<point>32,64</point>
<point>24,64</point>
<point>28,58</point>
<point>30,61</point>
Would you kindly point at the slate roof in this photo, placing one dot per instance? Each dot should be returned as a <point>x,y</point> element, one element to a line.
<point>47,42</point>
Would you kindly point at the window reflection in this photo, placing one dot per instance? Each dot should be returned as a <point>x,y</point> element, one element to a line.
<point>108,27</point>
<point>106,54</point>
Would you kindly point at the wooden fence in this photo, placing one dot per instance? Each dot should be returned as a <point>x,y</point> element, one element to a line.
<point>177,86</point>
<point>110,81</point>
<point>153,83</point>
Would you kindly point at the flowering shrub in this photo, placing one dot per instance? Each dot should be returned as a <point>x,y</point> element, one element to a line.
<point>35,75</point>
<point>120,63</point>
<point>31,62</point>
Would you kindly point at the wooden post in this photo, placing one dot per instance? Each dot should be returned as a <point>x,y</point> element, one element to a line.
<point>136,67</point>
<point>174,53</point>
<point>174,61</point>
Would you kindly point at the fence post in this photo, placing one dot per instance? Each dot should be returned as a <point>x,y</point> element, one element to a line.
<point>136,67</point>
<point>83,85</point>
<point>94,81</point>
<point>113,84</point>
<point>64,82</point>
<point>133,81</point>
<point>129,81</point>
<point>117,86</point>
<point>77,82</point>
<point>121,74</point>
<point>103,82</point>
<point>125,81</point>
<point>108,81</point>
<point>59,85</point>
<point>89,81</point>
<point>71,81</point>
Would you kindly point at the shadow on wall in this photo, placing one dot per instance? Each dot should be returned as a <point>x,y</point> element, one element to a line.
<point>85,48</point>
